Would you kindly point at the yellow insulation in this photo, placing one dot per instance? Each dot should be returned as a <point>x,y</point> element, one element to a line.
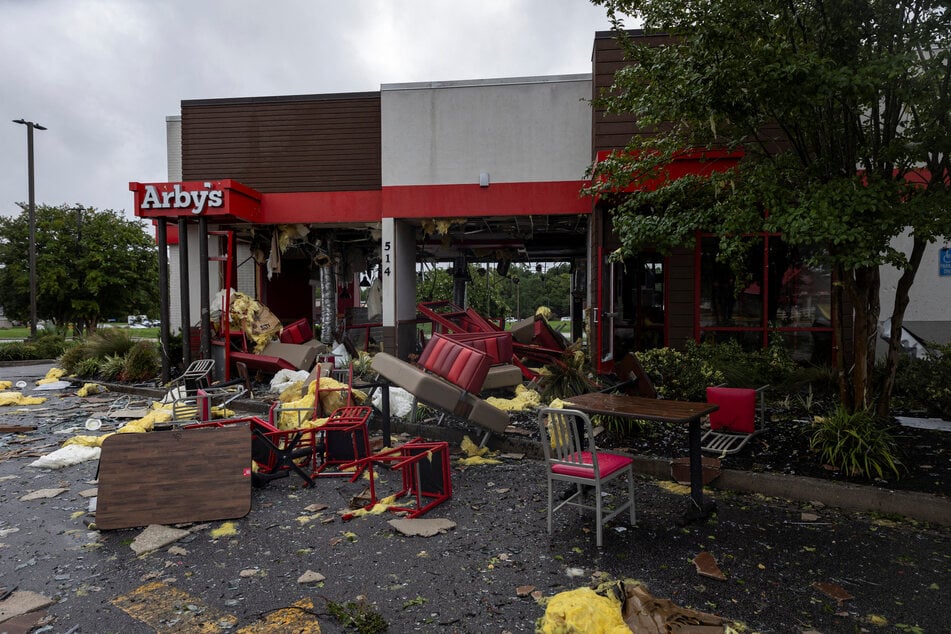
<point>89,389</point>
<point>583,611</point>
<point>16,398</point>
<point>54,375</point>
<point>333,395</point>
<point>525,399</point>
<point>475,455</point>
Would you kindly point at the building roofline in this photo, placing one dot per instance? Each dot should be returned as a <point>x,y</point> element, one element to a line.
<point>498,81</point>
<point>280,98</point>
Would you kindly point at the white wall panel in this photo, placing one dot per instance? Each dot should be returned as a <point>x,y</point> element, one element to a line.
<point>533,129</point>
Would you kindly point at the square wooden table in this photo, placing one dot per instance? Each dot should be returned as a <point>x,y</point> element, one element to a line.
<point>665,411</point>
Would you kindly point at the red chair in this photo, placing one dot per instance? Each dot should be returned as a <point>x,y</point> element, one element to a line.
<point>424,468</point>
<point>734,424</point>
<point>346,439</point>
<point>563,434</point>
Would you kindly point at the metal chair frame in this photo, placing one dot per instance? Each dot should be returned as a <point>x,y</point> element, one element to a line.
<point>724,442</point>
<point>563,434</point>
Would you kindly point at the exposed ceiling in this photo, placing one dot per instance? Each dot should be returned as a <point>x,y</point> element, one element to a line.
<point>482,239</point>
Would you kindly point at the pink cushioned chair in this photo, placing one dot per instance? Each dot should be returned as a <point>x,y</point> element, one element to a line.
<point>563,436</point>
<point>734,424</point>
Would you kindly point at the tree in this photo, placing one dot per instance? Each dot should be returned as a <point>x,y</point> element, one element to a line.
<point>89,265</point>
<point>839,112</point>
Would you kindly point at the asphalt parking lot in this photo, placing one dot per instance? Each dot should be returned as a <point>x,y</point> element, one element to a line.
<point>787,566</point>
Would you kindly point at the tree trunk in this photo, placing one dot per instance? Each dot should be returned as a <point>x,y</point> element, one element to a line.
<point>838,336</point>
<point>855,287</point>
<point>883,405</point>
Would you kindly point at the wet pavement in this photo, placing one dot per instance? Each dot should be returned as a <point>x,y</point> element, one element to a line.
<point>788,567</point>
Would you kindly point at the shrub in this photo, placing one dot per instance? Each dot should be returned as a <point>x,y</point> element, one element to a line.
<point>73,356</point>
<point>141,363</point>
<point>567,377</point>
<point>109,341</point>
<point>925,384</point>
<point>772,365</point>
<point>17,351</point>
<point>680,375</point>
<point>856,443</point>
<point>88,368</point>
<point>111,367</point>
<point>48,346</point>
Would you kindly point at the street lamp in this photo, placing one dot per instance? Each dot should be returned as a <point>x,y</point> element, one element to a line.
<point>30,126</point>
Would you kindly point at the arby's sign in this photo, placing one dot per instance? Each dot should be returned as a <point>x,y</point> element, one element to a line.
<point>196,198</point>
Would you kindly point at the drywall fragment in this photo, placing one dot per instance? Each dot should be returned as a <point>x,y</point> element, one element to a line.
<point>422,527</point>
<point>156,536</point>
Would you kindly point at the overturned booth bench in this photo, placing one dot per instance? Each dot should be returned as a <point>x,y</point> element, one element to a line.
<point>498,346</point>
<point>449,376</point>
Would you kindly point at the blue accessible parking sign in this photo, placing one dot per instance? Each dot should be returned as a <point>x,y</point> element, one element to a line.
<point>944,262</point>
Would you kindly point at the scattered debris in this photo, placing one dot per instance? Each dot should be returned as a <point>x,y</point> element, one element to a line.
<point>358,615</point>
<point>422,527</point>
<point>156,536</point>
<point>524,591</point>
<point>178,551</point>
<point>310,577</point>
<point>22,602</point>
<point>525,399</point>
<point>809,517</point>
<point>89,389</point>
<point>475,454</point>
<point>16,398</point>
<point>706,565</point>
<point>53,374</point>
<point>252,572</point>
<point>16,429</point>
<point>52,385</point>
<point>227,529</point>
<point>620,607</point>
<point>66,457</point>
<point>41,494</point>
<point>833,591</point>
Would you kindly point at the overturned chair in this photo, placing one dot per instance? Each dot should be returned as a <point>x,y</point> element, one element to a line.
<point>448,377</point>
<point>276,453</point>
<point>424,473</point>
<point>194,397</point>
<point>735,423</point>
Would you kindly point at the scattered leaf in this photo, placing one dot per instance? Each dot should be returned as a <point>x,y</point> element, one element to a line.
<point>833,591</point>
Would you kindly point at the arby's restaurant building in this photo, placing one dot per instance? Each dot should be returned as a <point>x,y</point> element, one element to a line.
<point>297,200</point>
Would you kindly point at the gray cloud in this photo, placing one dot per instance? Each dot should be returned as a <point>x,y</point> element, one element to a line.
<point>102,75</point>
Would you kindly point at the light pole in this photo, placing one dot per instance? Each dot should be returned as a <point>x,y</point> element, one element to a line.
<point>29,150</point>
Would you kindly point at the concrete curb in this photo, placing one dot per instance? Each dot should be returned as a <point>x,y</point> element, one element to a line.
<point>921,507</point>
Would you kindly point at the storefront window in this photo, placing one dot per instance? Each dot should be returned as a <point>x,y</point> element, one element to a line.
<point>777,295</point>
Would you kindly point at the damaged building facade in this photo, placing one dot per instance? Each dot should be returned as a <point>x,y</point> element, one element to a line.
<point>297,201</point>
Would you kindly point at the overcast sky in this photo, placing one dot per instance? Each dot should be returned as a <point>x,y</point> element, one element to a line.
<point>102,75</point>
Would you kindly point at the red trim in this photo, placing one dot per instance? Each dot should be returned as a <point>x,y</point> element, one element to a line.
<point>321,207</point>
<point>498,199</point>
<point>171,233</point>
<point>242,203</point>
<point>688,162</point>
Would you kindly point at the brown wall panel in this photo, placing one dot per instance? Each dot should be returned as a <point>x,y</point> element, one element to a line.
<point>302,143</point>
<point>680,297</point>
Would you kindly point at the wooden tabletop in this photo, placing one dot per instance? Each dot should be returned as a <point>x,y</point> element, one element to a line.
<point>639,407</point>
